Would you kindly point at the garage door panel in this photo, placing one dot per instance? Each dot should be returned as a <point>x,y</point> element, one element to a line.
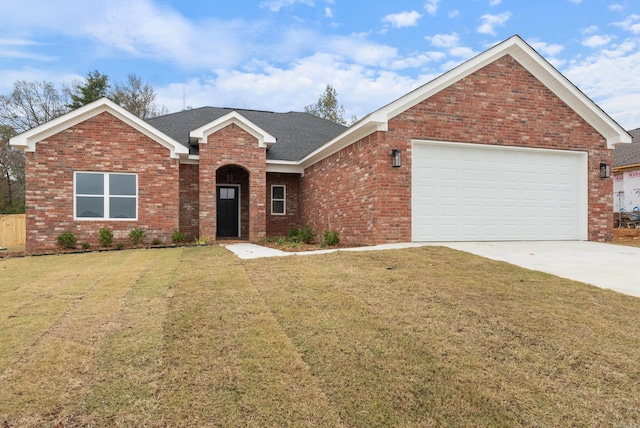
<point>477,192</point>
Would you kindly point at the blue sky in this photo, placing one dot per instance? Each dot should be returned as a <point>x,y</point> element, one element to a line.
<point>280,54</point>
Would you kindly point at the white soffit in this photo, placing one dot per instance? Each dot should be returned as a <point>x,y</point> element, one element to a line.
<point>264,138</point>
<point>28,140</point>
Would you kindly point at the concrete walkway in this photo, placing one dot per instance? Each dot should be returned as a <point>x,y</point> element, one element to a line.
<point>609,266</point>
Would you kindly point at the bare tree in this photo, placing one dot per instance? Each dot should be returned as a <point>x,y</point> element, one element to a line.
<point>12,174</point>
<point>30,104</point>
<point>138,97</point>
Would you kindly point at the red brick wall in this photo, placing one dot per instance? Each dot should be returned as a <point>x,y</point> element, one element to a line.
<point>501,104</point>
<point>233,146</point>
<point>280,225</point>
<point>100,144</point>
<point>189,198</point>
<point>340,192</point>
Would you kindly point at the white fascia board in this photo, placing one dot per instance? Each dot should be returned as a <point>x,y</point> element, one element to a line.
<point>27,140</point>
<point>364,127</point>
<point>289,167</point>
<point>190,160</point>
<point>264,138</point>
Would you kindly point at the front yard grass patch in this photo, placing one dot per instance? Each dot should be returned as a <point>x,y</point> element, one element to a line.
<point>193,336</point>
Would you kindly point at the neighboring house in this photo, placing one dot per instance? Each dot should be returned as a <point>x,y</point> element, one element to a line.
<point>502,147</point>
<point>626,170</point>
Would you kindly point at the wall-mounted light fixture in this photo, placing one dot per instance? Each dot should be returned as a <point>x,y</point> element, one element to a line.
<point>396,158</point>
<point>605,170</point>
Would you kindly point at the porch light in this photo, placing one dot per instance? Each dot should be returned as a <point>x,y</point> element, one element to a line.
<point>396,158</point>
<point>605,170</point>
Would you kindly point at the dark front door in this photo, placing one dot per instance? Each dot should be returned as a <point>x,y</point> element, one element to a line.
<point>227,212</point>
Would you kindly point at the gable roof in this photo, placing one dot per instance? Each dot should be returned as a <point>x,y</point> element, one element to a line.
<point>628,154</point>
<point>28,140</point>
<point>297,134</point>
<point>526,56</point>
<point>265,139</point>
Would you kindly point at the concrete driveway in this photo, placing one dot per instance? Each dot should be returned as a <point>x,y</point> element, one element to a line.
<point>604,265</point>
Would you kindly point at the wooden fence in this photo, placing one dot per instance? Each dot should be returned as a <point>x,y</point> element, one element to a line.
<point>13,230</point>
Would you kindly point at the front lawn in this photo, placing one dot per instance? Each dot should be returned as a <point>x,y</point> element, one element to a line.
<point>417,337</point>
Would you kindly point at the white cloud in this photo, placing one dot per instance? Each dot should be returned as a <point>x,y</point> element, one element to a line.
<point>431,6</point>
<point>462,52</point>
<point>494,2</point>
<point>359,51</point>
<point>359,89</point>
<point>138,29</point>
<point>546,49</point>
<point>589,30</point>
<point>444,40</point>
<point>490,22</point>
<point>328,13</point>
<point>616,8</point>
<point>416,60</point>
<point>630,24</point>
<point>454,13</point>
<point>451,42</point>
<point>402,19</point>
<point>610,78</point>
<point>576,1</point>
<point>276,5</point>
<point>596,41</point>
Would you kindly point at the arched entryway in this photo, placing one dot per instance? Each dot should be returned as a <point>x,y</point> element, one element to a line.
<point>232,202</point>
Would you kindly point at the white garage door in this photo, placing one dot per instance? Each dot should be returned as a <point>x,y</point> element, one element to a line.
<point>473,192</point>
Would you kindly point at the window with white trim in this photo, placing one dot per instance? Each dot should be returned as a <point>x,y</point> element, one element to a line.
<point>105,196</point>
<point>278,200</point>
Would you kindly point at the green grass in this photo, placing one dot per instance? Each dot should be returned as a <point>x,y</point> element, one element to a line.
<point>419,337</point>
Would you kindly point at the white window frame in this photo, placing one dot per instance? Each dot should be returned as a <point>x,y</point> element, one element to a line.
<point>283,199</point>
<point>106,196</point>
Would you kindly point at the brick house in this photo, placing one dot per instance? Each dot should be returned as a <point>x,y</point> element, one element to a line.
<point>502,147</point>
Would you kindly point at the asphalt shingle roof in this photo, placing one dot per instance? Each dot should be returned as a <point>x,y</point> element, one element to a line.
<point>297,134</point>
<point>628,154</point>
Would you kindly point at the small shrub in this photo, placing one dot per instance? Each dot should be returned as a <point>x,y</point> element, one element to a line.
<point>137,236</point>
<point>306,235</point>
<point>119,246</point>
<point>178,237</point>
<point>156,241</point>
<point>330,238</point>
<point>85,245</point>
<point>202,241</point>
<point>67,240</point>
<point>105,236</point>
<point>281,241</point>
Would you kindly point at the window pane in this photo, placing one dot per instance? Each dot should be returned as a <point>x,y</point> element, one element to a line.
<point>278,207</point>
<point>89,184</point>
<point>122,184</point>
<point>122,207</point>
<point>89,207</point>
<point>231,194</point>
<point>278,192</point>
<point>223,193</point>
